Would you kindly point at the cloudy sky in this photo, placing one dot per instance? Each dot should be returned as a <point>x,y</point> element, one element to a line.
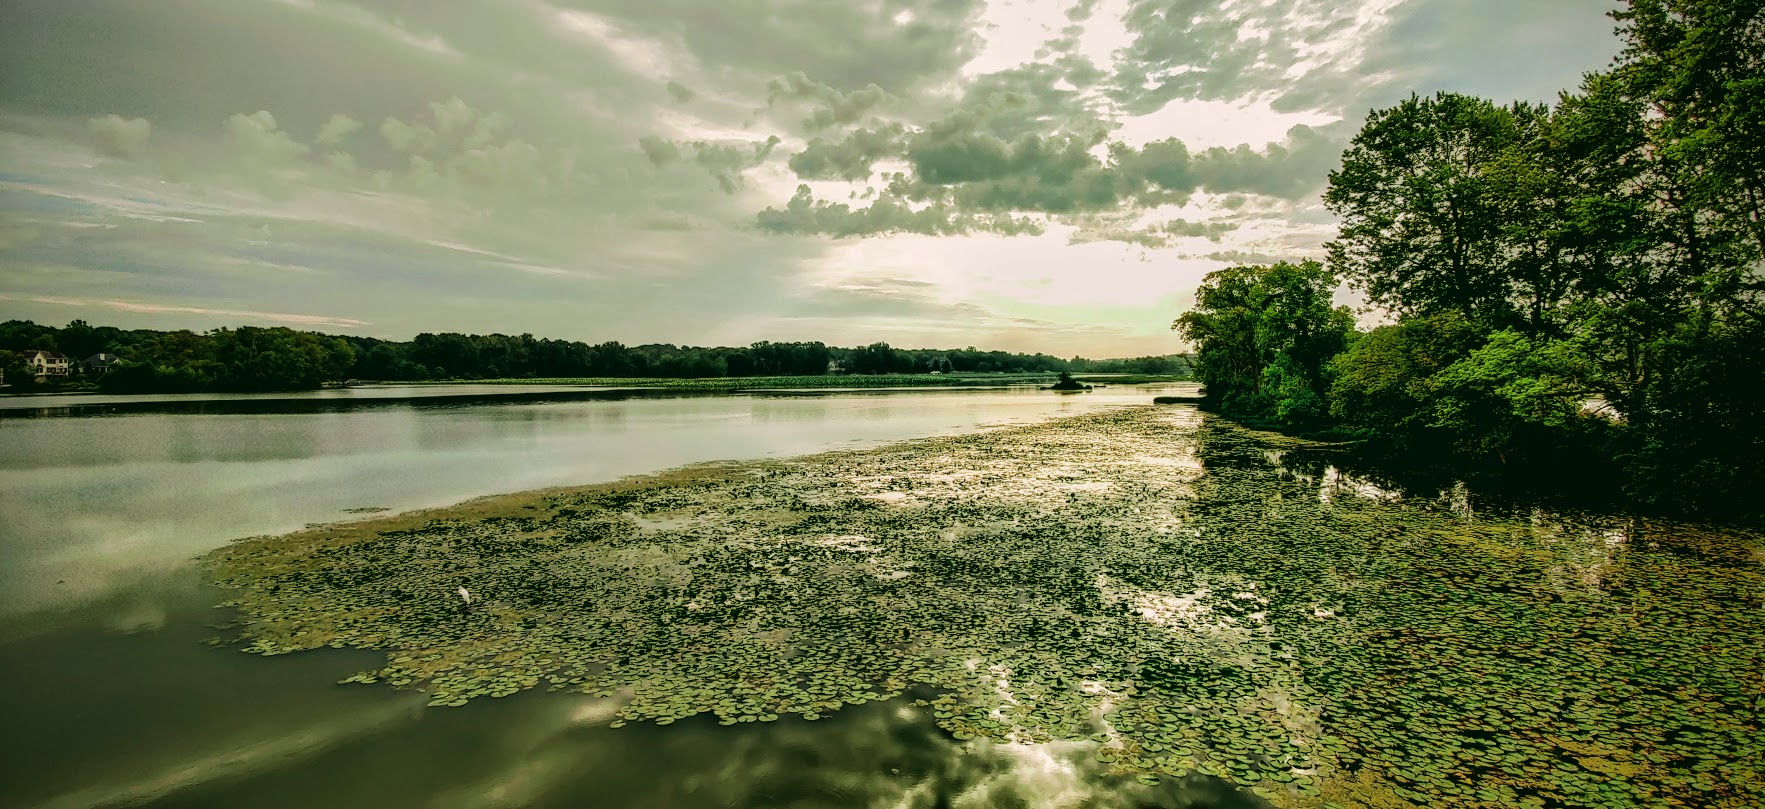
<point>1046,176</point>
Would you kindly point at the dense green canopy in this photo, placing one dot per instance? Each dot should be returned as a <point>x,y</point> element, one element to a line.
<point>1574,285</point>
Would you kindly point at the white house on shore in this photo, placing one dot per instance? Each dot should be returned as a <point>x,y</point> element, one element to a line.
<point>46,364</point>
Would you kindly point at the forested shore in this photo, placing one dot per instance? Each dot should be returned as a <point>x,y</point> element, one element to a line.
<point>250,359</point>
<point>1573,291</point>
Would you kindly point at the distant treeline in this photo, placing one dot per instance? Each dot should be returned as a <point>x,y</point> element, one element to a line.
<point>272,359</point>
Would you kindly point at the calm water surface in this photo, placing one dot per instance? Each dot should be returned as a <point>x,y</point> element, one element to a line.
<point>94,503</point>
<point>112,699</point>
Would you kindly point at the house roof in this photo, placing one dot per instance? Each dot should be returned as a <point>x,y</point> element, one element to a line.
<point>48,355</point>
<point>101,359</point>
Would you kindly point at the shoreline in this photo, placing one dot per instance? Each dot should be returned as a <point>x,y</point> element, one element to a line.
<point>832,381</point>
<point>392,395</point>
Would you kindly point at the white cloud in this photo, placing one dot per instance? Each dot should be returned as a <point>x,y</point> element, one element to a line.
<point>1014,30</point>
<point>1202,124</point>
<point>257,137</point>
<point>641,56</point>
<point>336,129</point>
<point>313,321</point>
<point>366,20</point>
<point>120,137</point>
<point>404,137</point>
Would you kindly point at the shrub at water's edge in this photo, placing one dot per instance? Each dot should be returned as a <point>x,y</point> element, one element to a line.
<point>1264,337</point>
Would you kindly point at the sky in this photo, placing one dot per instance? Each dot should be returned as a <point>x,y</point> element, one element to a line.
<point>1012,174</point>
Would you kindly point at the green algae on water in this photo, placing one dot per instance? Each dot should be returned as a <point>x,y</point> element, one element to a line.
<point>1179,593</point>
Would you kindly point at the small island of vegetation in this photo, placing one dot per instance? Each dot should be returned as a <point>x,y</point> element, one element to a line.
<point>1067,383</point>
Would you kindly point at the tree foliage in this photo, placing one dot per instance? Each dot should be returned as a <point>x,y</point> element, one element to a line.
<point>1573,281</point>
<point>1263,337</point>
<point>1421,230</point>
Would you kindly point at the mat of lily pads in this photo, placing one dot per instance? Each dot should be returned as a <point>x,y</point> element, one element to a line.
<point>1183,594</point>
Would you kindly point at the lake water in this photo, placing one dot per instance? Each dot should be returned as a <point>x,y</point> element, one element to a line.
<point>1115,607</point>
<point>97,502</point>
<point>111,698</point>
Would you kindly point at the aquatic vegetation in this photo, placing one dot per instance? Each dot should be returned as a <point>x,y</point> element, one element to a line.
<point>1066,382</point>
<point>1185,595</point>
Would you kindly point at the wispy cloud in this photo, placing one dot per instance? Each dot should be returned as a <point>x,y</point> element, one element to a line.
<point>160,308</point>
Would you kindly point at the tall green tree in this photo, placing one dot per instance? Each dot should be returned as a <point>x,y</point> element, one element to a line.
<point>1699,65</point>
<point>1666,152</point>
<point>1263,338</point>
<point>1421,231</point>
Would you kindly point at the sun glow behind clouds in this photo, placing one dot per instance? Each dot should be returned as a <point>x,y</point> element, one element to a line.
<point>641,57</point>
<point>1027,276</point>
<point>1204,124</point>
<point>1015,30</point>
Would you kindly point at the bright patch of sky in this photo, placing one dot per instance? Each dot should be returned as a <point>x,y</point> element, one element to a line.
<point>1203,124</point>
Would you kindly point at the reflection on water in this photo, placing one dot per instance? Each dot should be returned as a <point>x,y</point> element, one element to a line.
<point>161,719</point>
<point>1337,483</point>
<point>91,504</point>
<point>1583,548</point>
<point>66,404</point>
